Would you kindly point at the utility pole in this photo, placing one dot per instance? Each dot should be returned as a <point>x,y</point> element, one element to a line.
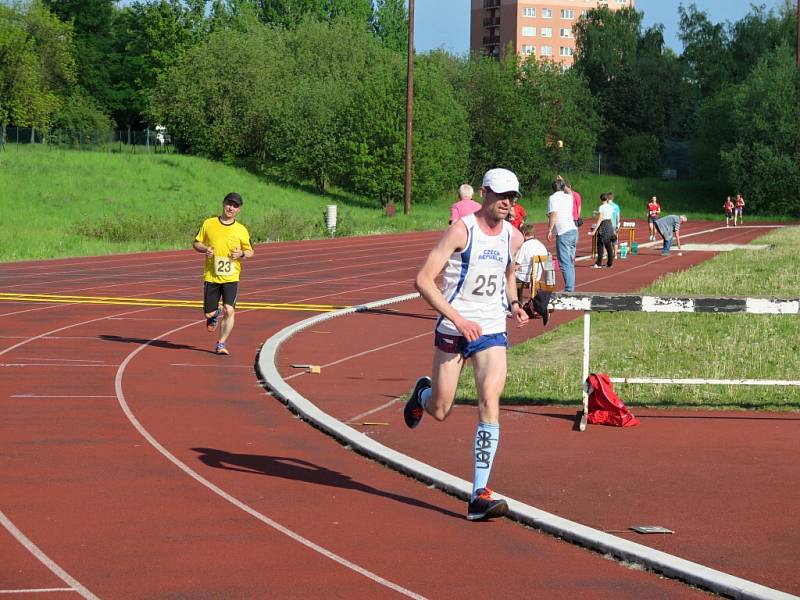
<point>410,107</point>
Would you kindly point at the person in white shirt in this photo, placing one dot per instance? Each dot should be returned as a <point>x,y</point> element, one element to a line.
<point>606,235</point>
<point>530,247</point>
<point>559,213</point>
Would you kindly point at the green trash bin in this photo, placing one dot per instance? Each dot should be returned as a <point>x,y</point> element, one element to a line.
<point>635,248</point>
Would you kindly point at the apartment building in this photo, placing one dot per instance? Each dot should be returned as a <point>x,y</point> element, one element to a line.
<point>541,28</point>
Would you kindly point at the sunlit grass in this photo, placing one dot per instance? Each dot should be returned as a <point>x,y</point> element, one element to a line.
<point>71,203</point>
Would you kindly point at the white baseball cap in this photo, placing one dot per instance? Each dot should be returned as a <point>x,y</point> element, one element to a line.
<point>501,181</point>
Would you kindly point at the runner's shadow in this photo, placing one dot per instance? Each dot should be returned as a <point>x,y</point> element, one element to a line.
<point>155,343</point>
<point>301,470</point>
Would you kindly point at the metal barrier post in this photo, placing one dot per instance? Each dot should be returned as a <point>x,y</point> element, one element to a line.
<point>587,325</point>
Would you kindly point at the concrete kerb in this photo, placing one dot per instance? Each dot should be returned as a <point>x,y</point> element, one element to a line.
<point>661,562</point>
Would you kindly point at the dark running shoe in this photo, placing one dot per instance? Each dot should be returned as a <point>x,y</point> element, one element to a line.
<point>211,323</point>
<point>483,507</point>
<point>413,411</point>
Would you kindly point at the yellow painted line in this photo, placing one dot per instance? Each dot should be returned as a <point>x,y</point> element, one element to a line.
<point>158,302</point>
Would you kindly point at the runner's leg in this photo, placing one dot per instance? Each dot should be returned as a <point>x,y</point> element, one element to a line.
<point>444,381</point>
<point>490,376</point>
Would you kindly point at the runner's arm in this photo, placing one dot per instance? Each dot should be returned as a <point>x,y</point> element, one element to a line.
<point>202,248</point>
<point>514,305</point>
<point>455,238</point>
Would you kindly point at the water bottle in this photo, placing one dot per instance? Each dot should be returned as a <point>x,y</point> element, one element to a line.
<point>549,270</point>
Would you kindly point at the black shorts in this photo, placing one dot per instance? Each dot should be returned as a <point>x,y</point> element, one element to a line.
<point>212,292</point>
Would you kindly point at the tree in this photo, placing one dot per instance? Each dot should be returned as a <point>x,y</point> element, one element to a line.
<point>154,36</point>
<point>290,13</point>
<point>763,162</point>
<point>36,64</point>
<point>221,97</point>
<point>374,142</point>
<point>390,24</point>
<point>92,22</point>
<point>705,52</point>
<point>638,83</point>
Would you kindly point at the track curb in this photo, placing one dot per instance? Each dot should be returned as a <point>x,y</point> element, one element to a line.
<point>671,566</point>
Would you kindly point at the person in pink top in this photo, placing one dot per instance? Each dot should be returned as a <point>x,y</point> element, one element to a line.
<point>576,204</point>
<point>465,205</point>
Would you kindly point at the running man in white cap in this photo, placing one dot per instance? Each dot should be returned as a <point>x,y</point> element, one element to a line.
<point>477,255</point>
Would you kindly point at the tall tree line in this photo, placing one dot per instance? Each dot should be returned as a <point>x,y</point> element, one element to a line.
<point>313,90</point>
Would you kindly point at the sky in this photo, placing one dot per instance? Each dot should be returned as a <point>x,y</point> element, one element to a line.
<point>445,23</point>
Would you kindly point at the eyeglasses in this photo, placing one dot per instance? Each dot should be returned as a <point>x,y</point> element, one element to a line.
<point>512,196</point>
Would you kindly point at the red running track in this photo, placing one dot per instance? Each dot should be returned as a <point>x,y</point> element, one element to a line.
<point>135,463</point>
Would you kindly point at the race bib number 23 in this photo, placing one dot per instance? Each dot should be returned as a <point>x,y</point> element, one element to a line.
<point>223,266</point>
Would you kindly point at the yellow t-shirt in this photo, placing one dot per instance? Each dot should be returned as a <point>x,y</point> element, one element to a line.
<point>224,239</point>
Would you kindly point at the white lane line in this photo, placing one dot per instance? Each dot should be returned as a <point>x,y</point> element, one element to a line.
<point>41,396</point>
<point>374,410</point>
<point>68,366</point>
<point>44,559</point>
<point>360,354</point>
<point>211,366</point>
<point>37,591</point>
<point>225,495</point>
<point>6,522</point>
<point>85,360</point>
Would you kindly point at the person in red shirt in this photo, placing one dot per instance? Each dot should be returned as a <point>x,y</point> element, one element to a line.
<point>737,211</point>
<point>728,206</point>
<point>653,213</point>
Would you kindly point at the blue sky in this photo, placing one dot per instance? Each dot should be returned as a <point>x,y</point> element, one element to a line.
<point>445,23</point>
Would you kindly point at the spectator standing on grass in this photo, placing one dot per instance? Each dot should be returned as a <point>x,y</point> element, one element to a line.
<point>653,213</point>
<point>668,228</point>
<point>465,205</point>
<point>737,211</point>
<point>524,261</point>
<point>477,256</point>
<point>561,223</point>
<point>605,233</point>
<point>728,206</point>
<point>225,243</point>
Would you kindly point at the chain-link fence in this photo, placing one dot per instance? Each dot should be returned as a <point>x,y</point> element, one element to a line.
<point>111,140</point>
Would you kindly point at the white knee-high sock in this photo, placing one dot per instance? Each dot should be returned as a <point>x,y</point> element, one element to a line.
<point>487,437</point>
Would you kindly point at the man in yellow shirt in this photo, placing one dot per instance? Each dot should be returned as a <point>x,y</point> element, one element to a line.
<point>225,243</point>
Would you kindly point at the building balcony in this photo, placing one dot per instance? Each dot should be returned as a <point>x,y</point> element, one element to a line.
<point>487,4</point>
<point>491,22</point>
<point>491,40</point>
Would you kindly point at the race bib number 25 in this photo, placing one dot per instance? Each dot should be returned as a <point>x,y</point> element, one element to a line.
<point>481,286</point>
<point>223,266</point>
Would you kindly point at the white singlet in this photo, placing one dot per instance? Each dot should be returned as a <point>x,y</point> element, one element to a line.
<point>474,279</point>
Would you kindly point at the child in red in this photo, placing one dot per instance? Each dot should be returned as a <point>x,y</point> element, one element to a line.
<point>653,212</point>
<point>517,216</point>
<point>728,206</point>
<point>737,214</point>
